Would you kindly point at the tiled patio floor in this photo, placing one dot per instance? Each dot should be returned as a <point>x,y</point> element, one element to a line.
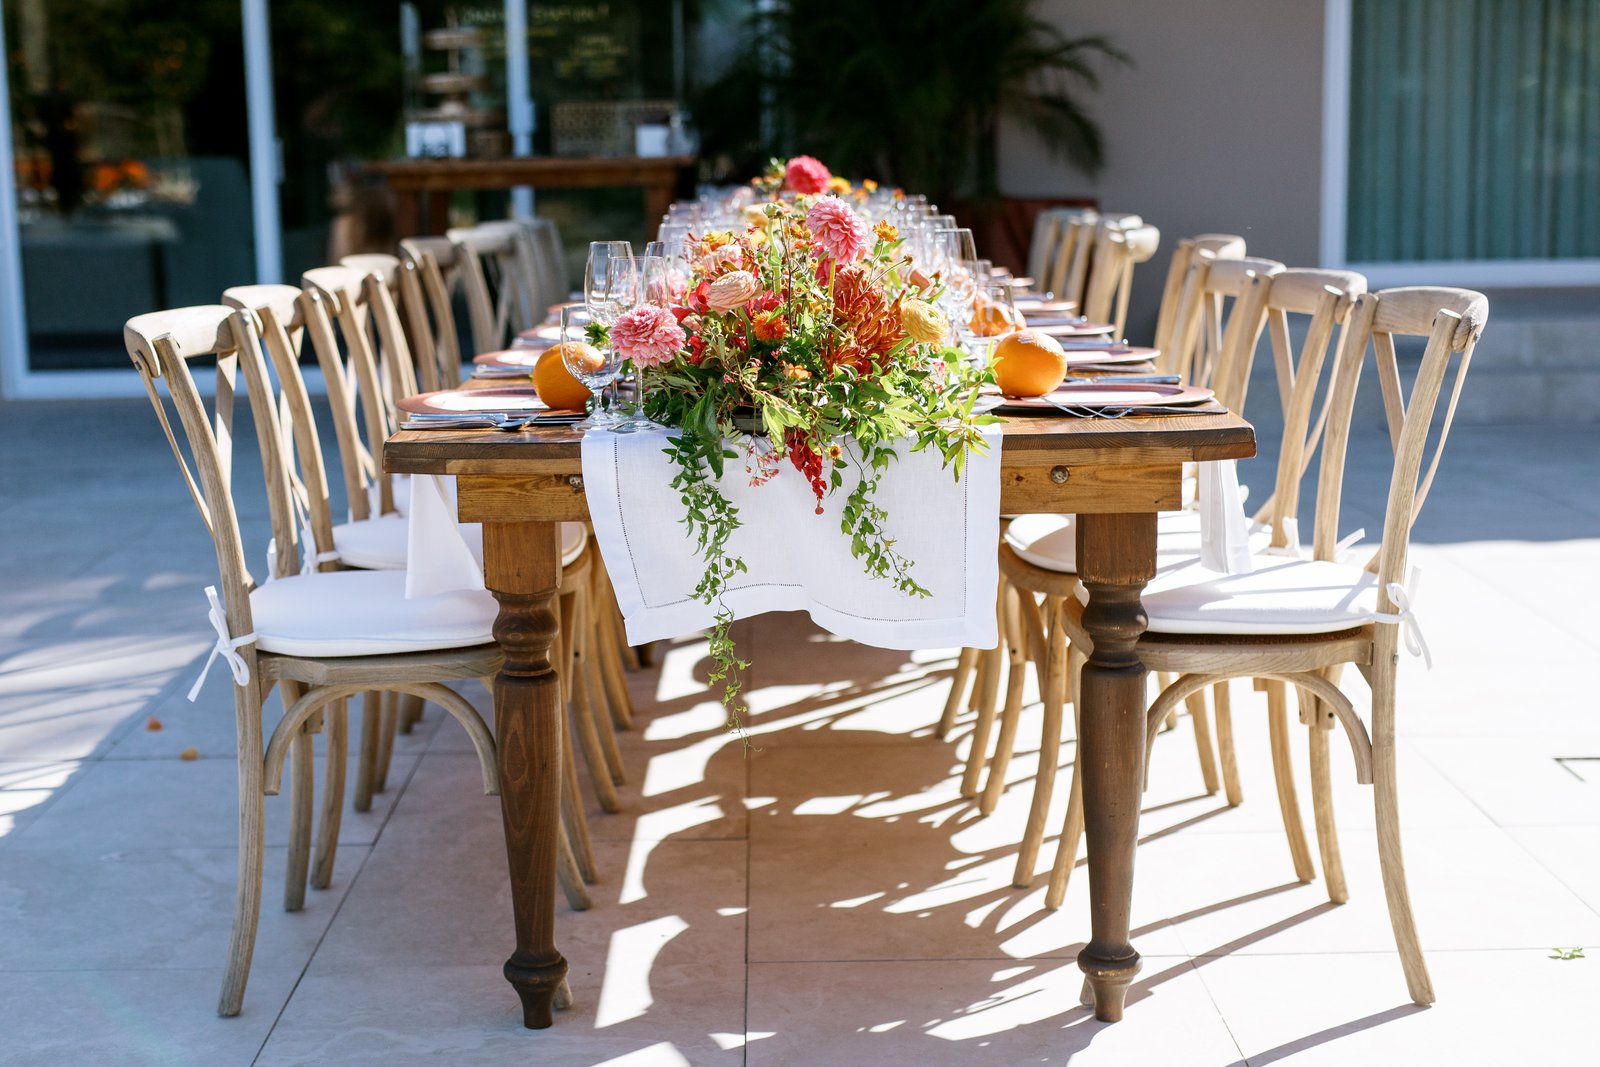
<point>826,899</point>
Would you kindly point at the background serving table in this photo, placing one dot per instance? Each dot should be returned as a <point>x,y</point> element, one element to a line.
<point>1115,474</point>
<point>661,180</point>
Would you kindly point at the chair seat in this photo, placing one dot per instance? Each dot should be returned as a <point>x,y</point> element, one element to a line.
<point>1283,595</point>
<point>373,544</point>
<point>365,613</point>
<point>1050,542</point>
<point>380,544</point>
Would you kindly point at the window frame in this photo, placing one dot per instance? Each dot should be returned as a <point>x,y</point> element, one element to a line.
<point>1474,273</point>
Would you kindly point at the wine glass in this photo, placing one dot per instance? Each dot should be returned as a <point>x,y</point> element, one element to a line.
<point>955,256</point>
<point>661,282</point>
<point>595,367</point>
<point>597,284</point>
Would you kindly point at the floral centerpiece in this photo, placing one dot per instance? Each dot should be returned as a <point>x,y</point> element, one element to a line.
<point>800,340</point>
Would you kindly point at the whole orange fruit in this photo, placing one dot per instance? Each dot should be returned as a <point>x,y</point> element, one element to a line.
<point>1028,363</point>
<point>555,384</point>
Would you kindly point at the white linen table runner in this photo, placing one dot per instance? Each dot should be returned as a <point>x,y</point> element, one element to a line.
<point>799,560</point>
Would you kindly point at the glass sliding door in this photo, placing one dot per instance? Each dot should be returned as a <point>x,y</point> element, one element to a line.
<point>128,144</point>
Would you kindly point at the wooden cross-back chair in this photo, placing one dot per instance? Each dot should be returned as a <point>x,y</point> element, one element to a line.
<point>1211,291</point>
<point>1220,246</point>
<point>1298,621</point>
<point>1075,257</point>
<point>494,264</point>
<point>1117,252</point>
<point>1043,548</point>
<point>1050,228</point>
<point>319,638</point>
<point>549,264</point>
<point>428,292</point>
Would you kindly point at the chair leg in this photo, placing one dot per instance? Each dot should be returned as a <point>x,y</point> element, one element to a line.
<point>1017,674</point>
<point>388,723</point>
<point>991,661</point>
<point>572,815</point>
<point>366,766</point>
<point>568,875</point>
<point>1067,847</point>
<point>1055,684</point>
<point>608,636</point>
<point>1322,802</point>
<point>1196,703</point>
<point>563,998</point>
<point>586,670</point>
<point>1386,802</point>
<point>1221,706</point>
<point>338,742</point>
<point>252,849</point>
<point>1283,772</point>
<point>965,664</point>
<point>301,800</point>
<point>580,714</point>
<point>410,712</point>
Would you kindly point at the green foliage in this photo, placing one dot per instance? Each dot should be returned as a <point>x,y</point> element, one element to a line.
<point>1567,954</point>
<point>910,92</point>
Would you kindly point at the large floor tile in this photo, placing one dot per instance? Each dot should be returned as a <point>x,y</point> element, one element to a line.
<point>168,803</point>
<point>95,909</point>
<point>991,1011</point>
<point>1470,889</point>
<point>1571,853</point>
<point>26,789</point>
<point>1518,779</point>
<point>134,1018</point>
<point>1493,1009</point>
<point>667,1017</point>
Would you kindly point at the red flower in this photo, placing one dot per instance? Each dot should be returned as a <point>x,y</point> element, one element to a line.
<point>806,174</point>
<point>696,300</point>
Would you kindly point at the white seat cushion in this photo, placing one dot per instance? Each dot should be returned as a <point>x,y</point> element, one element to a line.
<point>1282,595</point>
<point>380,544</point>
<point>373,544</point>
<point>1050,542</point>
<point>365,613</point>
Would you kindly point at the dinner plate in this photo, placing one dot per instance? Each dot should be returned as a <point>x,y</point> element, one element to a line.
<point>1109,355</point>
<point>1035,305</point>
<point>539,336</point>
<point>1073,328</point>
<point>1096,395</point>
<point>505,400</point>
<point>524,357</point>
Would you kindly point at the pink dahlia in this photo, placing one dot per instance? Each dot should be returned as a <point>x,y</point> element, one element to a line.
<point>806,175</point>
<point>648,335</point>
<point>839,232</point>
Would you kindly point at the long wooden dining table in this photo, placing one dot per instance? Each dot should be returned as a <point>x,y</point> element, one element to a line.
<point>1115,474</point>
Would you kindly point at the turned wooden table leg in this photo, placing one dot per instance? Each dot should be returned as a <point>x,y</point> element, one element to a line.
<point>522,568</point>
<point>1116,556</point>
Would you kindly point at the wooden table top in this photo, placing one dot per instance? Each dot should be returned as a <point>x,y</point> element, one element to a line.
<point>1028,441</point>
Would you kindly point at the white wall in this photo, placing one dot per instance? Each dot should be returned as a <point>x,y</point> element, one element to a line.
<point>1216,129</point>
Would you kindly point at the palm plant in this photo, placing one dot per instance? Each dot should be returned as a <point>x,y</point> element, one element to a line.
<point>907,91</point>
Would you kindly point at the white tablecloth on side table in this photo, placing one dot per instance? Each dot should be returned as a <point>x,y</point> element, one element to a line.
<point>799,560</point>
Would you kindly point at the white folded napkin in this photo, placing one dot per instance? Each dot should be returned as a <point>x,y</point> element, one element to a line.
<point>799,560</point>
<point>1224,527</point>
<point>439,550</point>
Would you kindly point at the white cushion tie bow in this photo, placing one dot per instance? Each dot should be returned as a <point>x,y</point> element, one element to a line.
<point>227,647</point>
<point>311,559</point>
<point>1406,618</point>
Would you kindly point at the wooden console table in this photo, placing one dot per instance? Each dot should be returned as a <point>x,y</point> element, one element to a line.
<point>422,187</point>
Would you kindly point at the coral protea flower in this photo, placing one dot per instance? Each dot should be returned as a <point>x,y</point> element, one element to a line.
<point>869,319</point>
<point>648,335</point>
<point>806,175</point>
<point>840,234</point>
<point>732,291</point>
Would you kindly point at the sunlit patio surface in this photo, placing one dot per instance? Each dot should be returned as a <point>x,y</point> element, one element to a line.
<point>823,897</point>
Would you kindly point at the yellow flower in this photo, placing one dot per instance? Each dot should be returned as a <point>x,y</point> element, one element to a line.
<point>886,231</point>
<point>925,323</point>
<point>869,185</point>
<point>839,185</point>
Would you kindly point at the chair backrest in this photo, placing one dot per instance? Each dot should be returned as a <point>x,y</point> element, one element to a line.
<point>1212,287</point>
<point>549,264</point>
<point>1049,229</point>
<point>1219,245</point>
<point>1117,252</point>
<point>495,276</point>
<point>437,273</point>
<point>280,313</point>
<point>338,309</point>
<point>1452,320</point>
<point>1325,299</point>
<point>161,345</point>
